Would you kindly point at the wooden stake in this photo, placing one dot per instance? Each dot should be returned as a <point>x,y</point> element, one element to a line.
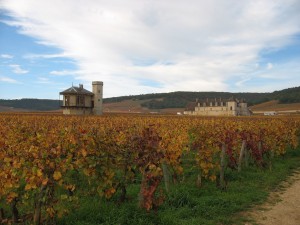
<point>199,180</point>
<point>141,195</point>
<point>15,212</point>
<point>242,153</point>
<point>38,206</point>
<point>166,173</point>
<point>2,216</point>
<point>222,164</point>
<point>260,152</point>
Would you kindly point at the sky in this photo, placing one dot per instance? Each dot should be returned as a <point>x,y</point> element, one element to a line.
<point>148,46</point>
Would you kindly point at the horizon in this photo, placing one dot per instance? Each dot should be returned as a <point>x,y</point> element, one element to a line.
<point>158,94</point>
<point>139,48</point>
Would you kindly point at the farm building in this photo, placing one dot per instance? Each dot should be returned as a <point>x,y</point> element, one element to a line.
<point>218,107</point>
<point>272,113</point>
<point>79,101</point>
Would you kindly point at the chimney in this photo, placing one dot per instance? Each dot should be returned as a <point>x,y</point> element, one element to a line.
<point>81,86</point>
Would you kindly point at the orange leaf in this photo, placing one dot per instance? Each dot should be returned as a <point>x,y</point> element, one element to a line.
<point>57,175</point>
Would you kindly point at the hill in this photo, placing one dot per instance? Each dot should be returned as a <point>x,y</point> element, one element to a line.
<point>276,106</point>
<point>11,109</point>
<point>181,99</point>
<point>31,104</point>
<point>289,95</point>
<point>161,102</point>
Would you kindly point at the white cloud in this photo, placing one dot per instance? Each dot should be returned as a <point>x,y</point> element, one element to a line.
<point>44,56</point>
<point>7,80</point>
<point>6,56</point>
<point>17,69</point>
<point>194,46</point>
<point>43,80</point>
<point>269,66</point>
<point>64,72</point>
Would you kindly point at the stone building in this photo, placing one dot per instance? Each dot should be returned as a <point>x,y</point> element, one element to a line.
<point>79,101</point>
<point>218,107</point>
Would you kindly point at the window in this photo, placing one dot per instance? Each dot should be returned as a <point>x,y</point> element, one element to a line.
<point>80,100</point>
<point>67,100</point>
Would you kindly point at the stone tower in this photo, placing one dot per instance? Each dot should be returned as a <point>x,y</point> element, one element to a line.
<point>232,107</point>
<point>98,95</point>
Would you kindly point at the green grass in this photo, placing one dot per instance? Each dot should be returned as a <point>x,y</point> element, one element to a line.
<point>187,204</point>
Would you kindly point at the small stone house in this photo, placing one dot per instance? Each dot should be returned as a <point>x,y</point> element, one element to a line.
<point>79,101</point>
<point>218,107</point>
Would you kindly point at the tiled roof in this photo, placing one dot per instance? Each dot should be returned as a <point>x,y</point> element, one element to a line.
<point>213,100</point>
<point>76,91</point>
<point>191,106</point>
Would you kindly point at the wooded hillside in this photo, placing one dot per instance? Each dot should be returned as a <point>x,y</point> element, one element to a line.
<point>166,100</point>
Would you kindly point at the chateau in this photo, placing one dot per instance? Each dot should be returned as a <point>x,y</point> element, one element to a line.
<point>215,107</point>
<point>79,101</point>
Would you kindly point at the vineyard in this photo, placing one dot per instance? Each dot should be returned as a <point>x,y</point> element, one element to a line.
<point>47,162</point>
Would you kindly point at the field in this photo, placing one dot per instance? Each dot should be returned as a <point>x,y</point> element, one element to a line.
<point>275,106</point>
<point>122,169</point>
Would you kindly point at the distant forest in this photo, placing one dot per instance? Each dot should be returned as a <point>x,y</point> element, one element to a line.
<point>166,100</point>
<point>32,104</point>
<point>181,99</point>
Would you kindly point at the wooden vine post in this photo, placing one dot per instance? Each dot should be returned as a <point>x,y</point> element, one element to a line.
<point>141,195</point>
<point>199,180</point>
<point>242,154</point>
<point>260,152</point>
<point>260,148</point>
<point>38,205</point>
<point>2,216</point>
<point>15,212</point>
<point>223,165</point>
<point>166,174</point>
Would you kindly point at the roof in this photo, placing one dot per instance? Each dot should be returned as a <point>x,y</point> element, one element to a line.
<point>76,91</point>
<point>218,100</point>
<point>191,106</point>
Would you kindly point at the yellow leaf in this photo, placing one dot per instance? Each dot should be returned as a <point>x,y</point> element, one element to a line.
<point>27,187</point>
<point>39,173</point>
<point>30,186</point>
<point>51,212</point>
<point>11,196</point>
<point>84,152</point>
<point>57,175</point>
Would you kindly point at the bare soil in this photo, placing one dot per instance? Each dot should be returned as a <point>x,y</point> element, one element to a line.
<point>282,207</point>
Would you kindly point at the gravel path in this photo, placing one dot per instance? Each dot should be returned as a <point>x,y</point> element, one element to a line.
<point>282,207</point>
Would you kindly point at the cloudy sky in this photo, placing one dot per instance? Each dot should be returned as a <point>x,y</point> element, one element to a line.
<point>148,46</point>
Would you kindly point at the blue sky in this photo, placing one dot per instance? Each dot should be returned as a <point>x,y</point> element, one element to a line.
<point>144,46</point>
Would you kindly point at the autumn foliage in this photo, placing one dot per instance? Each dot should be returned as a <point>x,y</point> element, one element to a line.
<point>43,156</point>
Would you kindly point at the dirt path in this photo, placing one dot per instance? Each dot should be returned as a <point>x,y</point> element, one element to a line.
<point>282,207</point>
